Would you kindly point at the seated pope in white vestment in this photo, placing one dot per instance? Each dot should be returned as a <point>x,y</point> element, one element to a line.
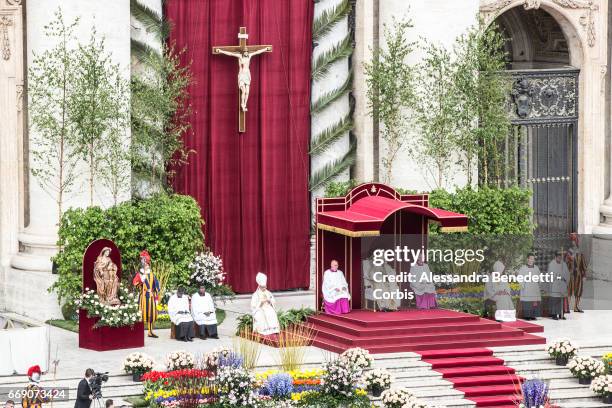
<point>422,285</point>
<point>335,290</point>
<point>265,320</point>
<point>498,291</point>
<point>204,314</point>
<point>377,281</point>
<point>180,315</point>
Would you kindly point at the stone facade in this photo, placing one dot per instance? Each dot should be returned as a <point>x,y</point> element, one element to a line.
<point>29,221</point>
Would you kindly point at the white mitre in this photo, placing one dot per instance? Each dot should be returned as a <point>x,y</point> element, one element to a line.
<point>261,279</point>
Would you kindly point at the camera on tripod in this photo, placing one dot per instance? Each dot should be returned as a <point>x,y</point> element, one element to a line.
<point>95,383</point>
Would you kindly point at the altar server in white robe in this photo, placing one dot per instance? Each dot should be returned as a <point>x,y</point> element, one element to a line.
<point>265,320</point>
<point>204,314</point>
<point>558,288</point>
<point>499,292</point>
<point>379,280</point>
<point>180,316</point>
<point>422,285</point>
<point>530,295</point>
<point>335,291</point>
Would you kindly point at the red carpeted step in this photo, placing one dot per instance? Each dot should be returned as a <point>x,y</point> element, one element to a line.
<point>498,406</point>
<point>464,362</point>
<point>475,371</point>
<point>381,337</point>
<point>400,318</point>
<point>496,401</point>
<point>525,326</point>
<point>458,352</point>
<point>329,323</point>
<point>490,390</point>
<point>477,380</point>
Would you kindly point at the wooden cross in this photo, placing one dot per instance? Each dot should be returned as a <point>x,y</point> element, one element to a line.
<point>244,53</point>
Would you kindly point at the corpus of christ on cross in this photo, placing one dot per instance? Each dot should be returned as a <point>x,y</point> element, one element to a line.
<point>244,53</point>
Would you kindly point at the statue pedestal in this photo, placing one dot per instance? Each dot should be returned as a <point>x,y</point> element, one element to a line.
<point>108,338</point>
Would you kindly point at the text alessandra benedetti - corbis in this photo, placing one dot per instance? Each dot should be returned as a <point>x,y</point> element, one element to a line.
<point>379,276</point>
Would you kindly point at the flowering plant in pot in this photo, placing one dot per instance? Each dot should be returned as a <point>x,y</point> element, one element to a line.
<point>358,357</point>
<point>401,398</point>
<point>561,351</point>
<point>602,386</point>
<point>377,381</point>
<point>585,368</point>
<point>137,364</point>
<point>178,360</point>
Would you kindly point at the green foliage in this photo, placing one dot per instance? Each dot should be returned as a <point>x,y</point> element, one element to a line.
<point>51,79</point>
<point>390,84</point>
<point>436,111</point>
<point>483,91</point>
<point>327,98</point>
<point>100,111</point>
<point>286,318</point>
<point>322,25</point>
<point>340,188</point>
<point>321,65</point>
<point>70,325</point>
<point>169,227</point>
<point>490,210</point>
<point>160,114</point>
<point>330,135</point>
<point>474,306</point>
<point>322,400</point>
<point>332,169</point>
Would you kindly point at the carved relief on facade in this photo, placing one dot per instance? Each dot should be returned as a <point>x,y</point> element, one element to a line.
<point>586,19</point>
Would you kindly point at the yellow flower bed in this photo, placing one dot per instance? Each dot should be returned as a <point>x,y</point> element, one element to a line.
<point>304,374</point>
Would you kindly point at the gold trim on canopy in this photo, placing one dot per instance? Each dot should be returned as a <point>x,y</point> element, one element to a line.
<point>348,233</point>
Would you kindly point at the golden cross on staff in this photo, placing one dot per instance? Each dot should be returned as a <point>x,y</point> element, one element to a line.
<point>244,53</point>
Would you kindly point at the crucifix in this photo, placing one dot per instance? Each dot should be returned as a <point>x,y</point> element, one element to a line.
<point>244,53</point>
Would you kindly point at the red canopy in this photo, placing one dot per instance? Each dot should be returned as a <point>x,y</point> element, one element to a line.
<point>365,208</point>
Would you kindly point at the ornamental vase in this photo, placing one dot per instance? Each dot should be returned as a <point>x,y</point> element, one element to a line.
<point>561,360</point>
<point>376,391</point>
<point>137,377</point>
<point>584,381</point>
<point>607,399</point>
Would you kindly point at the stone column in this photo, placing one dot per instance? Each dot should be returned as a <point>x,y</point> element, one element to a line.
<point>366,21</point>
<point>11,134</point>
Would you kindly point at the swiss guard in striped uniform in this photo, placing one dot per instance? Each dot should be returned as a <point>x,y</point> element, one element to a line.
<point>149,290</point>
<point>32,396</point>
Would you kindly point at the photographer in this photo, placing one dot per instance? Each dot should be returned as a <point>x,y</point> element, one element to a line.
<point>84,394</point>
<point>109,403</point>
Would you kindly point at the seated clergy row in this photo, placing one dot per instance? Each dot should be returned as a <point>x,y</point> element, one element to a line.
<point>201,311</point>
<point>336,292</point>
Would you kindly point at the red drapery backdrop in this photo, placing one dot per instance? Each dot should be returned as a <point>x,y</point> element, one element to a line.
<point>253,186</point>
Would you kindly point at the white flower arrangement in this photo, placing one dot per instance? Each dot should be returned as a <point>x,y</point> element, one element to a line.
<point>561,347</point>
<point>340,377</point>
<point>401,398</point>
<point>125,314</point>
<point>207,269</point>
<point>178,360</point>
<point>358,357</point>
<point>602,385</point>
<point>378,378</point>
<point>236,385</point>
<point>586,367</point>
<point>210,361</point>
<point>138,363</point>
